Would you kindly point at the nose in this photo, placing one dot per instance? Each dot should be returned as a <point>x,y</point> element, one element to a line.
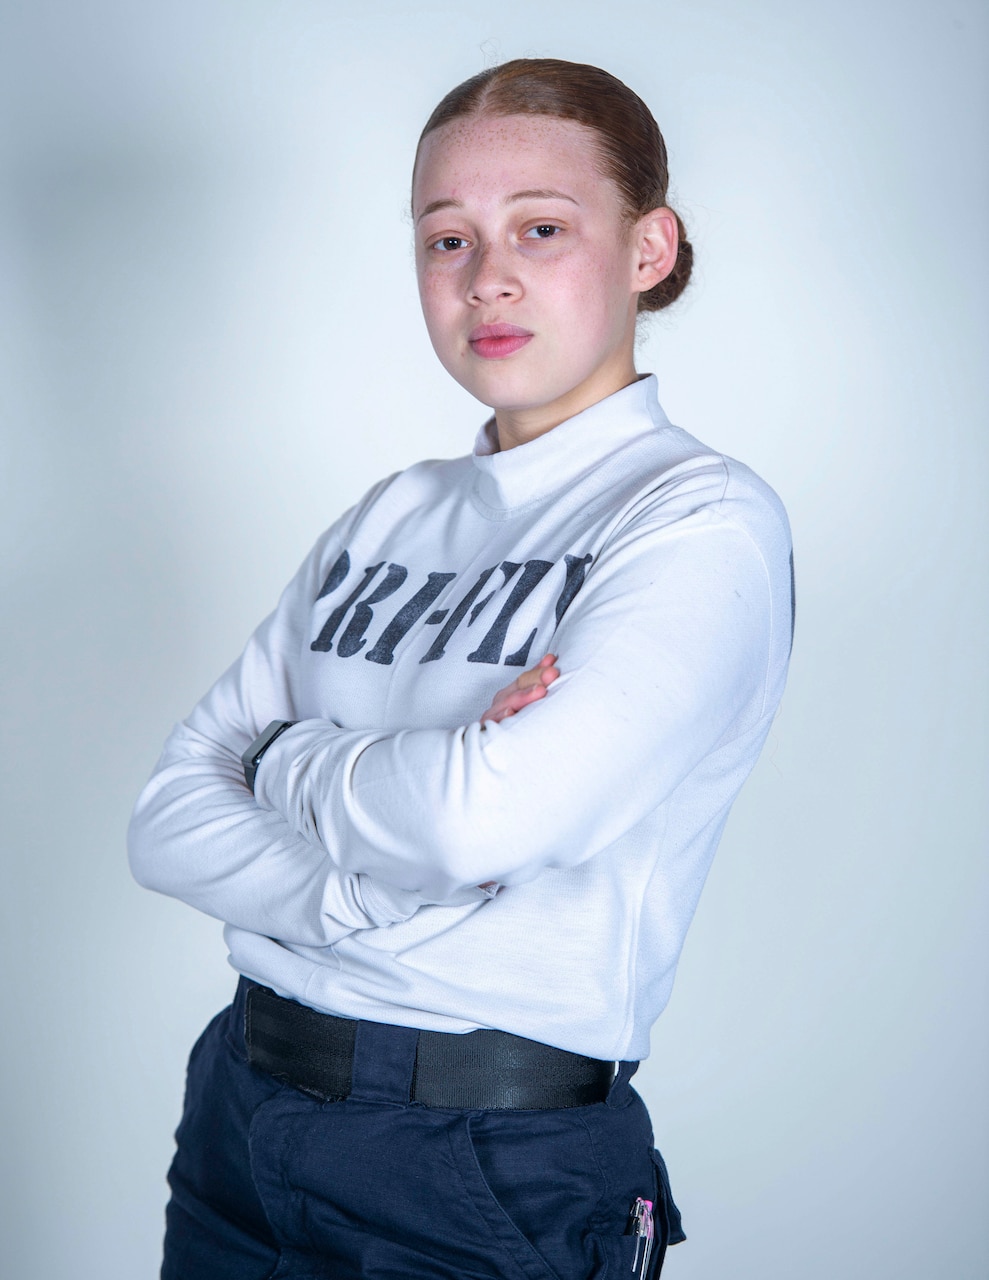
<point>494,277</point>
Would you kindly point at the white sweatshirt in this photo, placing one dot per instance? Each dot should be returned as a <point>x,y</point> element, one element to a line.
<point>658,572</point>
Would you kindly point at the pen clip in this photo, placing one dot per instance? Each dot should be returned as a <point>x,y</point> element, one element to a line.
<point>642,1227</point>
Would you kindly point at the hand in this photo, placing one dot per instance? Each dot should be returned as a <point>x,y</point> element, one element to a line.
<point>529,687</point>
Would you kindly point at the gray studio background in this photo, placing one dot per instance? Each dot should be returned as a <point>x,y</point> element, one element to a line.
<point>210,345</point>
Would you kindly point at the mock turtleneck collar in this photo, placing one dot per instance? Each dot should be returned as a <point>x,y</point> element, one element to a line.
<point>529,472</point>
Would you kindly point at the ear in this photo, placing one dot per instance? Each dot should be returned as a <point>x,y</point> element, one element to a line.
<point>656,239</point>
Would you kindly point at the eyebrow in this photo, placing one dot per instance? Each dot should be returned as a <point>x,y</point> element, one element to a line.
<point>533,193</point>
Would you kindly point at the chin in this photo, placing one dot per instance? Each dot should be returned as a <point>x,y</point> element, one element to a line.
<point>507,394</point>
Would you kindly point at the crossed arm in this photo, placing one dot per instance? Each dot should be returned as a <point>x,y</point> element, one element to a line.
<point>667,650</point>
<point>199,835</point>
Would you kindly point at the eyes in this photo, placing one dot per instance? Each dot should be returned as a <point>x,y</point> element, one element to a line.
<point>541,231</point>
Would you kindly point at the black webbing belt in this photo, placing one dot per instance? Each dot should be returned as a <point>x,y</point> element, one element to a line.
<point>480,1070</point>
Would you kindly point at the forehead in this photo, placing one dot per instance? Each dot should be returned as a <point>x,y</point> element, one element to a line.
<point>492,156</point>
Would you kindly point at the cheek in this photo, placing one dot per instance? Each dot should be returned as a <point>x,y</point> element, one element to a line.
<point>594,266</point>
<point>437,297</point>
<point>434,295</point>
<point>596,289</point>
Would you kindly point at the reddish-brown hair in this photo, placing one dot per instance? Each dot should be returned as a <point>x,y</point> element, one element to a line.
<point>633,152</point>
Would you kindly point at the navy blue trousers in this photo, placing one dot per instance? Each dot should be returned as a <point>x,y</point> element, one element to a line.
<point>269,1183</point>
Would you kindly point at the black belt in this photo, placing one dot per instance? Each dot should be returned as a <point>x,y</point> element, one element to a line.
<point>480,1070</point>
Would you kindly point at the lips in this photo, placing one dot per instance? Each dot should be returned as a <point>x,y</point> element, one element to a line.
<point>494,341</point>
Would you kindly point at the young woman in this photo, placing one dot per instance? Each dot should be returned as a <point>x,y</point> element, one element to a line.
<point>457,899</point>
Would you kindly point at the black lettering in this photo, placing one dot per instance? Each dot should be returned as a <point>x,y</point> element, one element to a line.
<point>519,657</point>
<point>384,650</point>
<point>437,649</point>
<point>508,569</point>
<point>352,640</point>
<point>324,641</point>
<point>336,575</point>
<point>489,650</point>
<point>576,568</point>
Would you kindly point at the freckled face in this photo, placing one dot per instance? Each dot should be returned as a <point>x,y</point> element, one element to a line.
<point>526,271</point>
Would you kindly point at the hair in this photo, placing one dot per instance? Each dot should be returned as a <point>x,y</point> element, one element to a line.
<point>632,150</point>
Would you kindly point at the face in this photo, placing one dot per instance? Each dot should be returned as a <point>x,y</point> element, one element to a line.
<point>528,272</point>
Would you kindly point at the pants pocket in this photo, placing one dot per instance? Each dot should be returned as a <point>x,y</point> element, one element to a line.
<point>667,1214</point>
<point>535,1184</point>
<point>621,1251</point>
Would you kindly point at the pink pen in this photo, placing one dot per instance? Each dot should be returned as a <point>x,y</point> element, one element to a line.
<point>642,1227</point>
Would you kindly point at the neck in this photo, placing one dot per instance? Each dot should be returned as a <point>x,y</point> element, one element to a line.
<point>518,426</point>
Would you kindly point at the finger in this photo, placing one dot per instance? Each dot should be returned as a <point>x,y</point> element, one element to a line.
<point>547,674</point>
<point>522,697</point>
<point>545,663</point>
<point>526,688</point>
<point>497,714</point>
<point>543,673</point>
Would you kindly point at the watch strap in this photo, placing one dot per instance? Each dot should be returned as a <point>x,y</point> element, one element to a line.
<point>251,758</point>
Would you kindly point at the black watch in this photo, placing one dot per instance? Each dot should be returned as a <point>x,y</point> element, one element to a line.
<point>252,756</point>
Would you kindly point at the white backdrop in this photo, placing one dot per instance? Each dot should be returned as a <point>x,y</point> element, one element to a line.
<point>210,344</point>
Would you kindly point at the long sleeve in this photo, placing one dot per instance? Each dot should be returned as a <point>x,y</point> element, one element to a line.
<point>666,654</point>
<point>197,833</point>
